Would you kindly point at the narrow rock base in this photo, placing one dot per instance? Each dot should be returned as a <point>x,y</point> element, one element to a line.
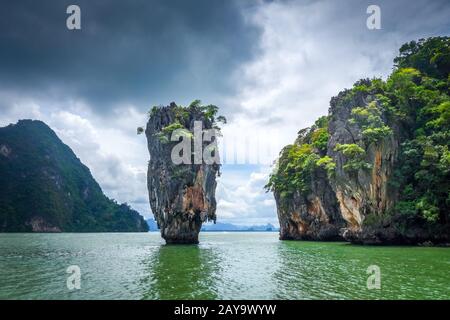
<point>182,229</point>
<point>192,240</point>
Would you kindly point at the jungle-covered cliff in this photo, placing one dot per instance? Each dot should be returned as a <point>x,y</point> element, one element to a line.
<point>182,170</point>
<point>44,187</point>
<point>376,169</point>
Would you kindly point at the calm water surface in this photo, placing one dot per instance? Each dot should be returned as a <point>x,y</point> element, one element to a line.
<point>223,266</point>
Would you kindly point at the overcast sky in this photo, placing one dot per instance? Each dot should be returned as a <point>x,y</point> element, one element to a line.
<point>272,67</point>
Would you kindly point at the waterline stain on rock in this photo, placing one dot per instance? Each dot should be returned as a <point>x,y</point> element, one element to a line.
<point>182,196</point>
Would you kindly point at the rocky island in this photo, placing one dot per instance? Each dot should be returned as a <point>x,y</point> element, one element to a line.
<point>44,187</point>
<point>182,190</point>
<point>376,169</point>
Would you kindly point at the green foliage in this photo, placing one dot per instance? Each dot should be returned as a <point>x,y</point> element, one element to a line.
<point>350,150</point>
<point>355,157</point>
<point>298,162</point>
<point>421,97</point>
<point>209,112</point>
<point>172,127</point>
<point>221,119</point>
<point>373,220</point>
<point>430,56</point>
<point>153,111</point>
<point>441,116</point>
<point>414,105</point>
<point>373,135</point>
<point>406,208</point>
<point>163,138</point>
<point>181,114</point>
<point>327,163</point>
<point>183,117</point>
<point>165,135</point>
<point>427,209</point>
<point>319,139</point>
<point>317,135</point>
<point>426,167</point>
<point>365,87</point>
<point>196,104</point>
<point>322,122</point>
<point>45,180</point>
<point>371,123</point>
<point>294,169</point>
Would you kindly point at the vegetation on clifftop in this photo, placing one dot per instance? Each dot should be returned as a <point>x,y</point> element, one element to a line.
<point>183,117</point>
<point>411,106</point>
<point>182,171</point>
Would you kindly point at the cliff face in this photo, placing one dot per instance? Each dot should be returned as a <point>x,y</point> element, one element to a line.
<point>333,204</point>
<point>182,195</point>
<point>311,215</point>
<point>45,188</point>
<point>376,169</point>
<point>363,191</point>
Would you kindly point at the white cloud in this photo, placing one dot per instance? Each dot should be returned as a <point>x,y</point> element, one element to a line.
<point>241,196</point>
<point>308,51</point>
<point>108,145</point>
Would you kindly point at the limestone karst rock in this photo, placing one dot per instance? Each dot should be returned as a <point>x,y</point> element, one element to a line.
<point>182,196</point>
<point>376,169</point>
<point>348,188</point>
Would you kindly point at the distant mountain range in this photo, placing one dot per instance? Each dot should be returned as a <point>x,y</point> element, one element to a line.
<point>232,227</point>
<point>220,226</point>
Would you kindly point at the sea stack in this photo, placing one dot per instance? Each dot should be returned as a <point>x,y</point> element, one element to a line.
<point>182,169</point>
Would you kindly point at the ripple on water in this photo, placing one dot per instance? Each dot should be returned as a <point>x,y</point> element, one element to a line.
<point>223,266</point>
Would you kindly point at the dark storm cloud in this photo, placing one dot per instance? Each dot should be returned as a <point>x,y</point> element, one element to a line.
<point>137,51</point>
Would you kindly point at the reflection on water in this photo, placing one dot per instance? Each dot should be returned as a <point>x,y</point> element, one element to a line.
<point>224,266</point>
<point>249,263</point>
<point>181,272</point>
<point>320,270</point>
<point>215,269</point>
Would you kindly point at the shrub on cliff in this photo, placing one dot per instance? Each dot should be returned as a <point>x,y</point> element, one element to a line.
<point>412,108</point>
<point>297,162</point>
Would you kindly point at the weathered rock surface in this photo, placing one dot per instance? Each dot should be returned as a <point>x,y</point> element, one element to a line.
<point>334,208</point>
<point>362,192</point>
<point>376,170</point>
<point>311,216</point>
<point>339,206</point>
<point>182,196</point>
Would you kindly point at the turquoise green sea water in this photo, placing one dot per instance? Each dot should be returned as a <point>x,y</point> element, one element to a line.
<point>223,266</point>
